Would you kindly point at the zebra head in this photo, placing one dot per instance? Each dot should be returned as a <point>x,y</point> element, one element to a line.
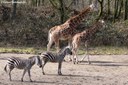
<point>38,61</point>
<point>67,50</point>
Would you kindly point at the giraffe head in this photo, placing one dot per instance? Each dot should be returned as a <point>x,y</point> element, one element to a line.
<point>93,7</point>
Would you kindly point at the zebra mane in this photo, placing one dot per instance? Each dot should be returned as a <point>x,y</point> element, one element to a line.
<point>34,58</point>
<point>62,50</point>
<point>31,57</point>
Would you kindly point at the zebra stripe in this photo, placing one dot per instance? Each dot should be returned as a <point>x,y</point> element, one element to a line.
<point>49,56</point>
<point>55,57</point>
<point>26,64</point>
<point>14,61</point>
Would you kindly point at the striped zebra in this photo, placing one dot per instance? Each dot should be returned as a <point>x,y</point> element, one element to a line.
<point>20,63</point>
<point>55,57</point>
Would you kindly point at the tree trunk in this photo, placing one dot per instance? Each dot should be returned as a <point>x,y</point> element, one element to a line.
<point>14,9</point>
<point>115,10</point>
<point>108,9</point>
<point>95,3</point>
<point>90,2</point>
<point>75,2</point>
<point>126,10</point>
<point>121,5</point>
<point>101,8</point>
<point>62,12</point>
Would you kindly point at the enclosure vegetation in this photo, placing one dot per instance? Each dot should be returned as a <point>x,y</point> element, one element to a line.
<point>27,24</point>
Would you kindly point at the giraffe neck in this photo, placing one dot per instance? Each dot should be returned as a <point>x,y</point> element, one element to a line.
<point>94,28</point>
<point>76,20</point>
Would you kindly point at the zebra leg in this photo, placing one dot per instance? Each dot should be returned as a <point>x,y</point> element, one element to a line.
<point>23,75</point>
<point>43,67</point>
<point>29,75</point>
<point>59,68</point>
<point>9,72</point>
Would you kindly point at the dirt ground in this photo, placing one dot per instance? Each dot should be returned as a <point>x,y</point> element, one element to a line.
<point>104,70</point>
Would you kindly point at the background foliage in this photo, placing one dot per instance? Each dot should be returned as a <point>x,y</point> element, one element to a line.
<point>32,20</point>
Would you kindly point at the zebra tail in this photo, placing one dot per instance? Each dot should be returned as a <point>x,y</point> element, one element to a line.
<point>5,68</point>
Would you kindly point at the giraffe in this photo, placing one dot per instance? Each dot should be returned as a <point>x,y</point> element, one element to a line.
<point>84,37</point>
<point>66,30</point>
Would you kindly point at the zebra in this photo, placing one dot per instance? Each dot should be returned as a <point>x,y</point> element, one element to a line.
<point>55,57</point>
<point>20,63</point>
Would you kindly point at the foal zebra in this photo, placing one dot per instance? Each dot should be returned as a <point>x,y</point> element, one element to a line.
<point>26,64</point>
<point>55,57</point>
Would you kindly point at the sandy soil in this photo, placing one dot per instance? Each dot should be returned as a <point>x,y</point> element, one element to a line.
<point>104,70</point>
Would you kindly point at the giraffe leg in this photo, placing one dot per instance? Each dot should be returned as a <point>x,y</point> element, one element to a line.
<point>49,44</point>
<point>88,54</point>
<point>69,44</point>
<point>57,45</point>
<point>74,57</point>
<point>74,50</point>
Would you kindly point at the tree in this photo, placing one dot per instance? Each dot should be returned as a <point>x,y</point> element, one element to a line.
<point>14,9</point>
<point>95,3</point>
<point>75,2</point>
<point>101,8</point>
<point>108,8</point>
<point>120,7</point>
<point>116,9</point>
<point>126,10</point>
<point>90,2</point>
<point>60,6</point>
<point>62,12</point>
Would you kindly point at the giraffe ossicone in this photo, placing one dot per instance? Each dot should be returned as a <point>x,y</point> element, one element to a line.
<point>92,6</point>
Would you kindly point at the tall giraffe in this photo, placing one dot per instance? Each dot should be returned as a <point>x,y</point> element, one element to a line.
<point>67,30</point>
<point>83,37</point>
